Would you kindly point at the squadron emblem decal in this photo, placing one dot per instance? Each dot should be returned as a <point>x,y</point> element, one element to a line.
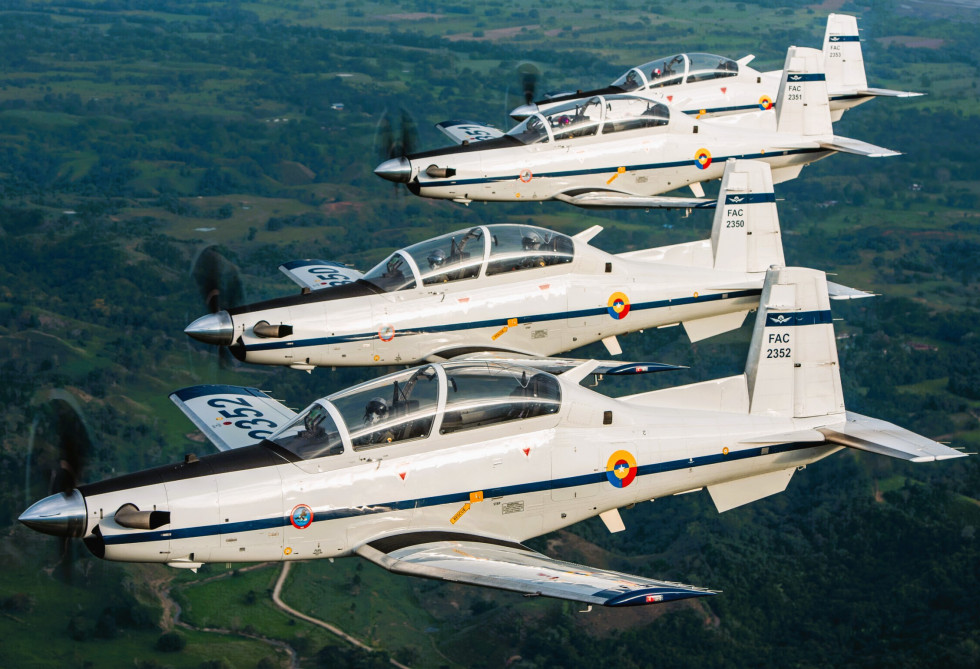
<point>301,517</point>
<point>618,306</point>
<point>526,175</point>
<point>621,468</point>
<point>702,159</point>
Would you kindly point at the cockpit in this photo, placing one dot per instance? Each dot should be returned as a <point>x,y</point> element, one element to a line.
<point>585,117</point>
<point>484,250</point>
<point>417,403</point>
<point>677,69</point>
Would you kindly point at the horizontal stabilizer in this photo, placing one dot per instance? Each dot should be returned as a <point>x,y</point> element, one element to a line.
<point>317,274</point>
<point>857,147</point>
<point>509,566</point>
<point>703,328</point>
<point>884,438</point>
<point>839,292</point>
<point>610,199</point>
<point>732,494</point>
<point>232,416</point>
<point>888,93</point>
<point>786,438</point>
<point>468,131</point>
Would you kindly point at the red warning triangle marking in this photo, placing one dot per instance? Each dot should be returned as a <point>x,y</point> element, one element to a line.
<point>527,452</point>
<point>402,474</point>
<point>724,89</point>
<point>670,98</point>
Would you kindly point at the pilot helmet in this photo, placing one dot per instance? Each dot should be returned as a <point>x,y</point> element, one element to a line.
<point>375,411</point>
<point>436,258</point>
<point>531,240</point>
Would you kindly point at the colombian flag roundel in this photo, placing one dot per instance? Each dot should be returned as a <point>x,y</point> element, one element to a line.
<point>702,159</point>
<point>618,306</point>
<point>765,102</point>
<point>621,468</point>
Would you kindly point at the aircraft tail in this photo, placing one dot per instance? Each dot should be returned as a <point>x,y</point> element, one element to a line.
<point>843,58</point>
<point>745,236</point>
<point>792,367</point>
<point>802,103</point>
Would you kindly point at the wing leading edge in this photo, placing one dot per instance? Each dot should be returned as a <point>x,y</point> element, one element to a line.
<point>510,566</point>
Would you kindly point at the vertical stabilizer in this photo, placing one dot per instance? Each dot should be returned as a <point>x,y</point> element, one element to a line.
<point>843,59</point>
<point>802,104</point>
<point>792,367</point>
<point>745,236</point>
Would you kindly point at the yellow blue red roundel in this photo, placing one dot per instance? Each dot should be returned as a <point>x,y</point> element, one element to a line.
<point>301,516</point>
<point>765,102</point>
<point>621,468</point>
<point>702,159</point>
<point>618,306</point>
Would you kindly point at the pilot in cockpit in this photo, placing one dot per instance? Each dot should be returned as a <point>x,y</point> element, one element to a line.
<point>375,413</point>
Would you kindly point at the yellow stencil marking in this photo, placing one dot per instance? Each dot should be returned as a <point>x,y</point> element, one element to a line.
<point>618,172</point>
<point>724,451</point>
<point>287,551</point>
<point>511,322</point>
<point>476,496</point>
<point>459,514</point>
<point>701,113</point>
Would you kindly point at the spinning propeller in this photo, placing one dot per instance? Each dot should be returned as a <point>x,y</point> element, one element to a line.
<point>58,447</point>
<point>394,139</point>
<point>219,283</point>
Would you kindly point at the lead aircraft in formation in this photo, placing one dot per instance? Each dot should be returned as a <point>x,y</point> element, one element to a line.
<point>444,470</point>
<point>516,292</point>
<point>624,150</point>
<point>705,85</point>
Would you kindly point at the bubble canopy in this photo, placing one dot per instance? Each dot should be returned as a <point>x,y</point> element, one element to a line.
<point>472,253</point>
<point>600,114</point>
<point>416,403</point>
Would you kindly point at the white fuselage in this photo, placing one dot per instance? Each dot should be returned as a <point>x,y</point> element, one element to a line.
<point>540,311</point>
<point>642,162</point>
<point>511,481</point>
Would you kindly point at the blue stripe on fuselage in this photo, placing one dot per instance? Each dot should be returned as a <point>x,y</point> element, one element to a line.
<point>499,322</point>
<point>454,498</point>
<point>607,170</point>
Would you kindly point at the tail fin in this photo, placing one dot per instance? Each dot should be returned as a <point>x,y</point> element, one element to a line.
<point>745,236</point>
<point>792,365</point>
<point>802,104</point>
<point>843,59</point>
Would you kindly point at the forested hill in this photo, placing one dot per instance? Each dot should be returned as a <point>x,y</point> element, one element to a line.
<point>134,134</point>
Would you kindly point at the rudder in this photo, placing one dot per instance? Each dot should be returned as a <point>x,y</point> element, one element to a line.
<point>745,236</point>
<point>792,367</point>
<point>802,104</point>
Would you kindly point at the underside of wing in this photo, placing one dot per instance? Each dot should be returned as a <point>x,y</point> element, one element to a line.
<point>469,132</point>
<point>560,365</point>
<point>611,199</point>
<point>509,566</point>
<point>232,416</point>
<point>317,274</point>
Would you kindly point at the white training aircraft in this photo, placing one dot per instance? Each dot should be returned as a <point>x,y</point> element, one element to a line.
<point>443,470</point>
<point>515,291</point>
<point>705,85</point>
<point>624,150</point>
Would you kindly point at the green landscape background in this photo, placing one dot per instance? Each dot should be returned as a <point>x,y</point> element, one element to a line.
<point>134,133</point>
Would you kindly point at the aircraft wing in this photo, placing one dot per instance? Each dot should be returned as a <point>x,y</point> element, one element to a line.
<point>468,131</point>
<point>317,274</point>
<point>560,365</point>
<point>232,416</point>
<point>509,566</point>
<point>610,199</point>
